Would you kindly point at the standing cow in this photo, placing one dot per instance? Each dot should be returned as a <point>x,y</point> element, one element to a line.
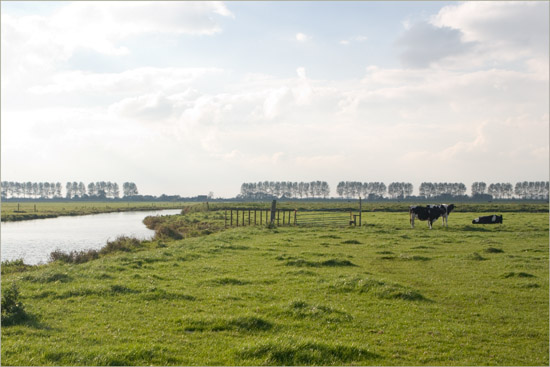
<point>430,213</point>
<point>445,216</point>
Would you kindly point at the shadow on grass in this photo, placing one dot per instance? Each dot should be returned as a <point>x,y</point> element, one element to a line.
<point>226,281</point>
<point>380,289</point>
<point>243,324</point>
<point>318,264</point>
<point>475,229</point>
<point>27,320</point>
<point>302,310</point>
<point>290,353</point>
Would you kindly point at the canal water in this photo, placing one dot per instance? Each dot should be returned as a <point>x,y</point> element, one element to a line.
<point>34,240</point>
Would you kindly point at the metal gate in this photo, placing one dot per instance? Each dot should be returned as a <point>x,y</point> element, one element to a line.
<point>326,218</point>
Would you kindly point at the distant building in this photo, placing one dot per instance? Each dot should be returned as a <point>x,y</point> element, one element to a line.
<point>202,198</point>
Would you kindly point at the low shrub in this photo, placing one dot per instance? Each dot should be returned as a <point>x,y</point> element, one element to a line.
<point>74,257</point>
<point>13,311</point>
<point>121,244</point>
<point>165,231</point>
<point>14,266</point>
<point>153,221</point>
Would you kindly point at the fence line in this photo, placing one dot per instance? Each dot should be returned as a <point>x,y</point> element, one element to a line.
<point>251,216</point>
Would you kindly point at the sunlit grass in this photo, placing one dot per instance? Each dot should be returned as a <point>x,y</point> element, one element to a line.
<point>380,294</point>
<point>13,211</point>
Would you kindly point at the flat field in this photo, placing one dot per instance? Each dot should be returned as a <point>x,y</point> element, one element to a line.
<point>13,211</point>
<point>380,294</point>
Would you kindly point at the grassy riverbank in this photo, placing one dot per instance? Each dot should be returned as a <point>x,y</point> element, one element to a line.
<point>12,211</point>
<point>381,294</point>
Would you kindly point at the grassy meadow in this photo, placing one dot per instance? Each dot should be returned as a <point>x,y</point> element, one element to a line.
<point>380,294</point>
<point>13,211</point>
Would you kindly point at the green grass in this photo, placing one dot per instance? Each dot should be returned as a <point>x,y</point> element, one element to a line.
<point>380,294</point>
<point>13,211</point>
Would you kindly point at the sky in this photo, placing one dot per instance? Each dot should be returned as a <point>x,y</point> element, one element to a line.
<point>187,98</point>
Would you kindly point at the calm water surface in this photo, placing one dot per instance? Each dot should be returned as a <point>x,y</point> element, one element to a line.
<point>34,240</point>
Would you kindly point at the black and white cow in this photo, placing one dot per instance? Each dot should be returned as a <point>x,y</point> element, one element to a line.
<point>430,213</point>
<point>489,219</point>
<point>445,216</point>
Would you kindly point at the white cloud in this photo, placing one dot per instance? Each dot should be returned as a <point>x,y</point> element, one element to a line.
<point>302,37</point>
<point>39,42</point>
<point>129,81</point>
<point>424,44</point>
<point>462,108</point>
<point>475,34</point>
<point>153,107</point>
<point>349,41</point>
<point>515,25</point>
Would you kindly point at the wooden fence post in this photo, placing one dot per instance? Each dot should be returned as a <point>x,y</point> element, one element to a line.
<point>360,211</point>
<point>273,208</point>
<point>237,217</point>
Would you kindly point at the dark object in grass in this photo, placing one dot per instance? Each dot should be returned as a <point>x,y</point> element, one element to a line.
<point>488,219</point>
<point>493,250</point>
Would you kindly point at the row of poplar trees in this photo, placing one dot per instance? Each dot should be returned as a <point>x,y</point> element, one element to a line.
<point>313,189</point>
<point>54,190</point>
<point>502,190</point>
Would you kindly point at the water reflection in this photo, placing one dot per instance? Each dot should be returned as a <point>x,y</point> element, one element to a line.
<point>34,240</point>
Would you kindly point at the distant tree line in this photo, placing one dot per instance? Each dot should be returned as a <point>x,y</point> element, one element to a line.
<point>374,190</point>
<point>532,190</point>
<point>73,190</point>
<point>270,189</point>
<point>352,189</point>
<point>429,190</point>
<point>47,190</point>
